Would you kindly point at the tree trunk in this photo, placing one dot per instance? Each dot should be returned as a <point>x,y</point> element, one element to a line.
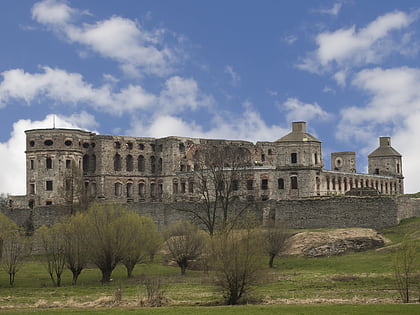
<point>58,282</point>
<point>106,275</point>
<point>76,274</point>
<point>271,261</point>
<point>11,278</point>
<point>130,268</point>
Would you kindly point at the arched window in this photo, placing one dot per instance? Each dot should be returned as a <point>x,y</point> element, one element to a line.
<point>293,182</point>
<point>93,163</point>
<point>160,165</point>
<point>142,190</point>
<point>118,189</point>
<point>117,162</point>
<point>129,190</point>
<point>153,164</point>
<point>85,163</point>
<point>129,163</point>
<point>140,163</point>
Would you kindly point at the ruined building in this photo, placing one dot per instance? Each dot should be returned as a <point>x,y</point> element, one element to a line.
<point>65,164</point>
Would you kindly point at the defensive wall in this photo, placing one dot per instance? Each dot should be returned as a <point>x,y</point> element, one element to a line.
<point>316,212</point>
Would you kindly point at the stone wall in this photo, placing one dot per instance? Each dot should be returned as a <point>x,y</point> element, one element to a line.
<point>321,212</point>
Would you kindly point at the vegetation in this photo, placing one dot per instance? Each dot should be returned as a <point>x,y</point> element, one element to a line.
<point>347,281</point>
<point>275,237</point>
<point>185,243</point>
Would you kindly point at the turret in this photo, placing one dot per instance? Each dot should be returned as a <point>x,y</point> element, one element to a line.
<point>385,160</point>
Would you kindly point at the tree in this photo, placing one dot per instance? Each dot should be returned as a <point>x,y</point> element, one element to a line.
<point>275,237</point>
<point>15,247</point>
<point>144,240</point>
<point>75,247</point>
<point>185,243</point>
<point>107,237</point>
<point>406,265</point>
<point>218,170</point>
<point>53,244</point>
<point>236,257</point>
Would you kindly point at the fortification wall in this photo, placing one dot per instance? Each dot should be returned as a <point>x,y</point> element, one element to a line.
<point>338,212</point>
<point>320,212</point>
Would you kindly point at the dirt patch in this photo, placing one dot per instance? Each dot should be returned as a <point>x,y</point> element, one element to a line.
<point>334,242</point>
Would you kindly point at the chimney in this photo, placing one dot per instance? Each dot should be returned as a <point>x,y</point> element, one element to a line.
<point>384,141</point>
<point>299,126</point>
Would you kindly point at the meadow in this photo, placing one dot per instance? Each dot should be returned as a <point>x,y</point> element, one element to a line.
<point>357,283</point>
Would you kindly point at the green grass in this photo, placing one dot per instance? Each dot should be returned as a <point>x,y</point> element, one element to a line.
<point>354,278</point>
<point>342,309</point>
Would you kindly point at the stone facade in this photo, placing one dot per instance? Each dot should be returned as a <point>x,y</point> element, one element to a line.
<point>65,165</point>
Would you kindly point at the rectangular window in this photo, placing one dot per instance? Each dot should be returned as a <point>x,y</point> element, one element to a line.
<point>280,183</point>
<point>264,184</point>
<point>32,189</point>
<point>48,163</point>
<point>175,188</point>
<point>48,203</point>
<point>32,164</point>
<point>191,187</point>
<point>293,158</point>
<point>250,184</point>
<point>49,185</point>
<point>262,157</point>
<point>235,185</point>
<point>68,164</point>
<point>182,188</point>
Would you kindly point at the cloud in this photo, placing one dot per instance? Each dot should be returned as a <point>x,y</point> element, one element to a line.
<point>290,39</point>
<point>393,110</point>
<point>234,77</point>
<point>12,152</point>
<point>63,88</point>
<point>247,126</point>
<point>334,10</point>
<point>137,50</point>
<point>349,47</point>
<point>299,111</point>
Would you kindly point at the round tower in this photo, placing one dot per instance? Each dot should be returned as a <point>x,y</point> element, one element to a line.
<point>54,164</point>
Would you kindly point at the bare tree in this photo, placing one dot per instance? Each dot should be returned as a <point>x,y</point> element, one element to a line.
<point>406,265</point>
<point>52,241</point>
<point>218,170</point>
<point>275,236</point>
<point>185,243</point>
<point>236,260</point>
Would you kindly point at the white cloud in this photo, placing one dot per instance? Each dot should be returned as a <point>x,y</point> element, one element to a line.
<point>349,47</point>
<point>137,50</point>
<point>52,12</point>
<point>247,126</point>
<point>392,110</point>
<point>234,77</point>
<point>299,111</point>
<point>63,88</point>
<point>334,10</point>
<point>341,77</point>
<point>12,152</point>
<point>290,39</point>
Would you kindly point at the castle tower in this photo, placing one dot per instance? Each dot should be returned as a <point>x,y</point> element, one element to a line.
<point>343,162</point>
<point>385,160</point>
<point>54,163</point>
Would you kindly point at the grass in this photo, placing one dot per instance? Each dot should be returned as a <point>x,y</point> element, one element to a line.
<point>349,282</point>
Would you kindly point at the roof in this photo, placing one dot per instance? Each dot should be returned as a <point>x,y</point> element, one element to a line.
<point>298,136</point>
<point>384,151</point>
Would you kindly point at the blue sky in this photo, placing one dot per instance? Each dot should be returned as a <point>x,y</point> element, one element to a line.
<point>219,69</point>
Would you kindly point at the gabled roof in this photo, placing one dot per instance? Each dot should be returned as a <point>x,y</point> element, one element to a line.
<point>384,149</point>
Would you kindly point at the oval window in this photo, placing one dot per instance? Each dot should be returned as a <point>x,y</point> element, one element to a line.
<point>86,145</point>
<point>48,142</point>
<point>68,143</point>
<point>32,143</point>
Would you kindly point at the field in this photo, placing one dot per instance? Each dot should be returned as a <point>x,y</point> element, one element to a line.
<point>359,283</point>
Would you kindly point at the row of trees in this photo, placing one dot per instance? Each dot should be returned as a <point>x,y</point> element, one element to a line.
<point>106,235</point>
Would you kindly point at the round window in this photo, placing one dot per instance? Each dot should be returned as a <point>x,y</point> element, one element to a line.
<point>68,143</point>
<point>32,143</point>
<point>48,142</point>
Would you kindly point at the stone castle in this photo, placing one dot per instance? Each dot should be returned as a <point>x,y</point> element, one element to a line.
<point>65,164</point>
